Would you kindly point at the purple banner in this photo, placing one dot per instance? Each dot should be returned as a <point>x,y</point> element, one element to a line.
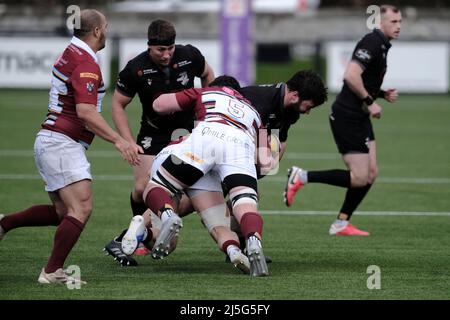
<point>236,38</point>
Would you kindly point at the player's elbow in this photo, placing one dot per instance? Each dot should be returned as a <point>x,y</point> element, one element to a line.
<point>166,104</point>
<point>84,111</point>
<point>349,76</point>
<point>158,106</point>
<point>352,72</point>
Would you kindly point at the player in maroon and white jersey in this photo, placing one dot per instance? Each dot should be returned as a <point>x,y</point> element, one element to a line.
<point>306,90</point>
<point>72,121</point>
<point>224,141</point>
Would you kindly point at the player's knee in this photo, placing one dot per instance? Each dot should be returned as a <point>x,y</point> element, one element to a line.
<point>243,193</point>
<point>86,208</point>
<point>82,211</point>
<point>61,210</point>
<point>373,174</point>
<point>359,180</point>
<point>243,197</point>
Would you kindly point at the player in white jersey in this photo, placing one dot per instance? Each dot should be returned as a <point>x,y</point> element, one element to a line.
<point>223,142</point>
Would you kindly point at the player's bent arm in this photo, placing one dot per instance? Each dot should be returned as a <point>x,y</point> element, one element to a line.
<point>207,76</point>
<point>118,104</point>
<point>98,125</point>
<point>353,78</point>
<point>166,104</point>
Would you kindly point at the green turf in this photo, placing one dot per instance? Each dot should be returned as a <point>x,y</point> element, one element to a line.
<point>411,251</point>
<point>276,72</point>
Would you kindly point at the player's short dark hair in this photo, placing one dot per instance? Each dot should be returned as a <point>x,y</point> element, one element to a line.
<point>387,7</point>
<point>309,86</point>
<point>225,81</point>
<point>89,20</point>
<point>161,32</point>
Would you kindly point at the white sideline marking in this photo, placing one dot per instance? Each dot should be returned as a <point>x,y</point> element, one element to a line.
<point>29,153</point>
<point>271,179</point>
<point>311,156</point>
<point>387,180</point>
<point>115,154</point>
<point>359,213</point>
<point>38,177</point>
<point>275,179</point>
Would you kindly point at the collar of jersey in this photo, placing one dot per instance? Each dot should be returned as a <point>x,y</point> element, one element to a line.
<point>385,40</point>
<point>83,45</point>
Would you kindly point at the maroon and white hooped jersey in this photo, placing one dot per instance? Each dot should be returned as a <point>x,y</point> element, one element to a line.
<point>223,105</point>
<point>76,78</point>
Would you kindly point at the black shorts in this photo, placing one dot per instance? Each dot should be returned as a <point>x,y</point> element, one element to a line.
<point>153,143</point>
<point>351,133</point>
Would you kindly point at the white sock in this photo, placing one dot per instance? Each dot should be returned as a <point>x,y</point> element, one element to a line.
<point>166,214</point>
<point>340,223</point>
<point>231,249</point>
<point>144,236</point>
<point>303,176</point>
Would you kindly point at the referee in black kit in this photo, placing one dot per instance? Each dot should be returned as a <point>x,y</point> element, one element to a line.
<point>163,67</point>
<point>351,125</point>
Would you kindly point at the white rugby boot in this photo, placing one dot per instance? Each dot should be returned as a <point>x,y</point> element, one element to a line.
<point>136,233</point>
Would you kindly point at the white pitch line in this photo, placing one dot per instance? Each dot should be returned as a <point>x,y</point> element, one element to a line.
<point>273,179</point>
<point>38,177</point>
<point>311,156</point>
<point>114,154</point>
<point>29,153</point>
<point>360,213</point>
<point>384,180</point>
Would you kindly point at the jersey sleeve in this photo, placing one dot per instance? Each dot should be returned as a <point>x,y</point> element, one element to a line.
<point>86,79</point>
<point>126,82</point>
<point>199,60</point>
<point>365,51</point>
<point>190,99</point>
<point>187,99</point>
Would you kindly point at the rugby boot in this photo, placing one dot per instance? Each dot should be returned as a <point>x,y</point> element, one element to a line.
<point>170,230</point>
<point>293,184</point>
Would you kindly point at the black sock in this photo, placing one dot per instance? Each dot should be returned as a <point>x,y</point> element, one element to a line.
<point>242,242</point>
<point>120,237</point>
<point>336,177</point>
<point>148,242</point>
<point>353,198</point>
<point>138,208</point>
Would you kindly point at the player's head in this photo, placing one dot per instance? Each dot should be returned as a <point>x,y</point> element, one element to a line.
<point>161,41</point>
<point>305,90</point>
<point>391,21</point>
<point>225,81</point>
<point>93,28</point>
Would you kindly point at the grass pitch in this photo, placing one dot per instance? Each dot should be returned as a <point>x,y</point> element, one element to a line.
<point>410,246</point>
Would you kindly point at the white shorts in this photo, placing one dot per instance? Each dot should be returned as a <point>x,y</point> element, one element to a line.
<point>209,182</point>
<point>60,160</point>
<point>218,147</point>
